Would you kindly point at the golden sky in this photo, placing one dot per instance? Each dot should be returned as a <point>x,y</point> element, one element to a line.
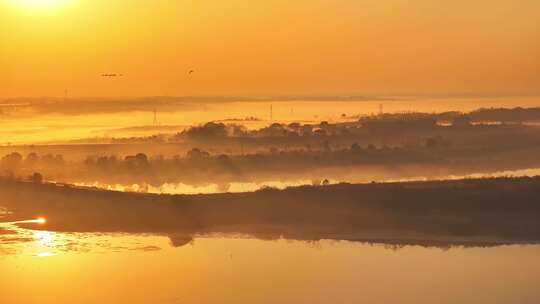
<point>271,47</point>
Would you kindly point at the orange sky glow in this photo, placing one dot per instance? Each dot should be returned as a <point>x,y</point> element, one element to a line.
<point>240,47</point>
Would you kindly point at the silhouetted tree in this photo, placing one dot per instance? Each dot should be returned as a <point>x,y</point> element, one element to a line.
<point>209,130</point>
<point>36,178</point>
<point>139,161</point>
<point>59,159</point>
<point>48,159</point>
<point>355,147</point>
<point>31,159</point>
<point>12,160</point>
<point>197,153</point>
<point>223,158</point>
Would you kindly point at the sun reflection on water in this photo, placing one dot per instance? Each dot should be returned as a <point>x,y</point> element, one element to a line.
<point>44,238</point>
<point>20,238</point>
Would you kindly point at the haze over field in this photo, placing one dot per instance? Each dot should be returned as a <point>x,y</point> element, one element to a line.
<point>55,120</point>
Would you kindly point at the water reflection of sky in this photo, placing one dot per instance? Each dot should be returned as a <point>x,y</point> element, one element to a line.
<point>48,267</point>
<point>38,266</point>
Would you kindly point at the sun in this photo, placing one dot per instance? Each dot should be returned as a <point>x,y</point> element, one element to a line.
<point>39,5</point>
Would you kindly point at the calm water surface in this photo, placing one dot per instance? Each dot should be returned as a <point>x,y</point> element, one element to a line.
<point>49,267</point>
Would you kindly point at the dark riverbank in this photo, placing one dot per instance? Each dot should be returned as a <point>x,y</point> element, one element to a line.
<point>484,211</point>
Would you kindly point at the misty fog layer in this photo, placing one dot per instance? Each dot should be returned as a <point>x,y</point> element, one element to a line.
<point>228,157</point>
<point>54,120</point>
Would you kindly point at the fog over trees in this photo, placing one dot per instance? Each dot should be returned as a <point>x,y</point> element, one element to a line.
<point>386,146</point>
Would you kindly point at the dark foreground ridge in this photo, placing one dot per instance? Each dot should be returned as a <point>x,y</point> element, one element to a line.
<point>480,212</point>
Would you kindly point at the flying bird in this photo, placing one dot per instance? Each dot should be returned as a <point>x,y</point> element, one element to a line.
<point>112,75</point>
